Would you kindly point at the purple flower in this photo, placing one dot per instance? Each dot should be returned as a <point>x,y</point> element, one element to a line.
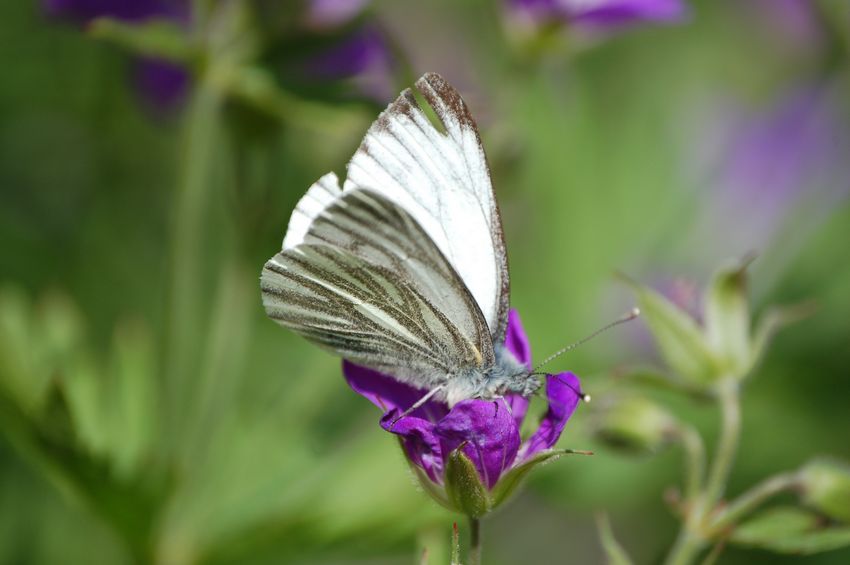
<point>765,167</point>
<point>127,10</point>
<point>791,26</point>
<point>352,63</point>
<point>354,55</point>
<point>163,84</point>
<point>483,433</point>
<point>604,14</point>
<point>330,14</point>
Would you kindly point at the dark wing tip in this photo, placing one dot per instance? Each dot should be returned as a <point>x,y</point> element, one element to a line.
<point>445,100</point>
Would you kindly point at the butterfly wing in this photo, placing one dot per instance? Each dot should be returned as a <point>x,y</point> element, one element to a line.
<point>442,179</point>
<point>368,283</point>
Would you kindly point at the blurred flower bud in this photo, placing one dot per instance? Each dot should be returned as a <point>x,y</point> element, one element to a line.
<point>634,424</point>
<point>727,319</point>
<point>826,487</point>
<point>723,346</point>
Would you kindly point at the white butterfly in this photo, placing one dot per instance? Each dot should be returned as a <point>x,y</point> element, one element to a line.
<point>403,268</point>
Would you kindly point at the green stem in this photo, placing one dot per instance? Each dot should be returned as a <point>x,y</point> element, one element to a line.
<point>692,538</point>
<point>474,541</point>
<point>686,548</point>
<point>730,406</point>
<point>191,206</point>
<point>754,498</point>
<point>694,463</point>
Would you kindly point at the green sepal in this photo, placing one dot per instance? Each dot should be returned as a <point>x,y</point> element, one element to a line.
<point>727,319</point>
<point>158,38</point>
<point>464,488</point>
<point>614,552</point>
<point>680,339</point>
<point>435,491</point>
<point>771,322</point>
<point>790,530</point>
<point>509,482</point>
<point>826,488</point>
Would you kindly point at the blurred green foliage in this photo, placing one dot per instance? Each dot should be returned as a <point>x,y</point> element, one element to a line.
<point>241,443</point>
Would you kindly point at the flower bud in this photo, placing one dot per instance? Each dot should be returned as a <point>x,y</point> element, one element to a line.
<point>826,487</point>
<point>464,488</point>
<point>634,424</point>
<point>727,319</point>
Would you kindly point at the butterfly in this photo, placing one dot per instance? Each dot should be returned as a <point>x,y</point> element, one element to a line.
<point>402,268</point>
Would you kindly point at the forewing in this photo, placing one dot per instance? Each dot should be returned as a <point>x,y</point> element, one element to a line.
<point>442,179</point>
<point>368,283</point>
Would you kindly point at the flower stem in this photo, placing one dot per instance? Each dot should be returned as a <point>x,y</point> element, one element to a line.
<point>730,407</point>
<point>474,541</point>
<point>694,463</point>
<point>191,200</point>
<point>692,537</point>
<point>753,498</point>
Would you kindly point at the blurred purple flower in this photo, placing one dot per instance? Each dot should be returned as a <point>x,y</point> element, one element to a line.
<point>770,163</point>
<point>487,431</point>
<point>360,57</point>
<point>791,26</point>
<point>352,56</point>
<point>127,10</point>
<point>162,83</point>
<point>330,14</point>
<point>599,14</point>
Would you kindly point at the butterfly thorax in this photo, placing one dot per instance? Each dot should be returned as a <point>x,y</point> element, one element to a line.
<point>507,375</point>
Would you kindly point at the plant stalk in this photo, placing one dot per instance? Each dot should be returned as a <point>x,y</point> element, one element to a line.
<point>693,537</point>
<point>753,498</point>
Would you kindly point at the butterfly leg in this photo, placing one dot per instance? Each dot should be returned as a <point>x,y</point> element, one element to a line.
<point>430,394</point>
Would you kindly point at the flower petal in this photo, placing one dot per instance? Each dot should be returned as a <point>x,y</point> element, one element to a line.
<point>562,392</point>
<point>419,441</point>
<point>622,12</point>
<point>516,341</point>
<point>488,433</point>
<point>387,393</point>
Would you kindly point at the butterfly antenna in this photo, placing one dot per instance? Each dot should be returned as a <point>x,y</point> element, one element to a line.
<point>634,313</point>
<point>584,397</point>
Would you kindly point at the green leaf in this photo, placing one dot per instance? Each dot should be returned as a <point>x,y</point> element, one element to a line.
<point>132,396</point>
<point>158,38</point>
<point>509,482</point>
<point>727,318</point>
<point>790,530</point>
<point>614,552</point>
<point>464,487</point>
<point>680,340</point>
